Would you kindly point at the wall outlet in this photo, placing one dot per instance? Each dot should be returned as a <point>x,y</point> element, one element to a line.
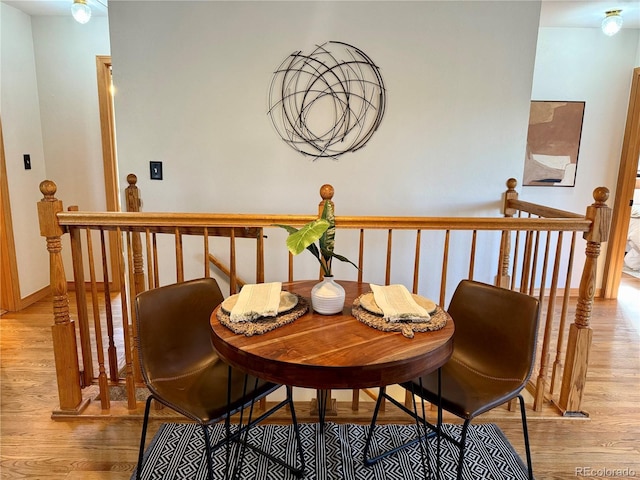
<point>155,170</point>
<point>27,161</point>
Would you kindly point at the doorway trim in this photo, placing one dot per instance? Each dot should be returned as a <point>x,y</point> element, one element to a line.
<point>110,165</point>
<point>624,193</point>
<point>10,291</point>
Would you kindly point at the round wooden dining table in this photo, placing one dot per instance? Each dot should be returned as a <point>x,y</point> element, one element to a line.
<point>333,351</point>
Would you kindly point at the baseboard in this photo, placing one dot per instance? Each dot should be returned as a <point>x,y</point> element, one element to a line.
<point>34,297</point>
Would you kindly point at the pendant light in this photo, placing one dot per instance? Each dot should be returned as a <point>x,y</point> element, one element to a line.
<point>81,11</point>
<point>612,22</point>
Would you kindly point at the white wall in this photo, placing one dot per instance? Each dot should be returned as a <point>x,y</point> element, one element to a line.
<point>65,53</point>
<point>192,93</point>
<point>50,110</point>
<point>582,64</point>
<point>22,134</point>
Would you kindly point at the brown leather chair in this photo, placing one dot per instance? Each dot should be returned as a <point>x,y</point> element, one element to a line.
<point>183,371</point>
<point>492,360</point>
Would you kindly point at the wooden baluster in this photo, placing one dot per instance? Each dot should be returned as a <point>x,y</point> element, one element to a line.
<point>387,274</point>
<point>542,382</point>
<point>132,195</point>
<point>81,303</point>
<point>545,268</point>
<point>580,333</point>
<point>105,401</point>
<point>233,281</point>
<point>416,262</point>
<point>525,277</point>
<point>207,256</point>
<point>503,278</point>
<point>361,255</point>
<point>556,371</point>
<point>129,375</point>
<point>112,353</point>
<point>445,267</point>
<point>500,280</point>
<point>65,348</point>
<point>534,269</point>
<point>137,369</point>
<point>260,256</point>
<point>514,266</point>
<point>472,255</point>
<point>154,256</point>
<point>179,256</point>
<point>531,385</point>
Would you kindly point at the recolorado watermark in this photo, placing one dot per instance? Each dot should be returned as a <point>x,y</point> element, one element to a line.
<point>603,472</point>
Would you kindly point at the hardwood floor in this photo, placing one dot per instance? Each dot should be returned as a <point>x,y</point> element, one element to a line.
<point>604,445</point>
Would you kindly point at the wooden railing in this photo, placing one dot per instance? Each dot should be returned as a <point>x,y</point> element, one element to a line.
<point>528,249</point>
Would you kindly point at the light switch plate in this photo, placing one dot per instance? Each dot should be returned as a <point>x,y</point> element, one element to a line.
<point>155,170</point>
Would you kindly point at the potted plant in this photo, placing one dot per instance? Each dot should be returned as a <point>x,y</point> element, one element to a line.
<point>327,297</point>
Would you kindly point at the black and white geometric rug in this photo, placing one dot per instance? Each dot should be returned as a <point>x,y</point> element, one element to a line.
<point>177,453</point>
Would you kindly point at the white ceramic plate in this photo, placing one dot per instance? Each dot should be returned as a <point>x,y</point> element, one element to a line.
<point>287,302</point>
<point>368,302</point>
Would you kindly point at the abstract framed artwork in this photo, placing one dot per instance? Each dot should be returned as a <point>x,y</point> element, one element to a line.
<point>553,143</point>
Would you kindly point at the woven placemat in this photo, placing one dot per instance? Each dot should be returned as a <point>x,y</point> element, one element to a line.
<point>437,321</point>
<point>265,324</point>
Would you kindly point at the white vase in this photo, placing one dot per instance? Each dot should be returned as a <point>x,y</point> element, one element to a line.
<point>327,297</point>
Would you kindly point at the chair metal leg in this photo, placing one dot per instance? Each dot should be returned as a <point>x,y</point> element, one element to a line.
<point>243,442</point>
<point>439,423</point>
<point>322,408</point>
<point>241,437</point>
<point>525,430</point>
<point>228,453</point>
<point>366,460</point>
<point>227,444</point>
<point>463,441</point>
<point>207,448</point>
<point>370,461</point>
<point>296,429</point>
<point>143,436</point>
<point>420,427</point>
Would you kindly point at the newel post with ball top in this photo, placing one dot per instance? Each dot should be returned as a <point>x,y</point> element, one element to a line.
<point>580,333</point>
<point>63,330</point>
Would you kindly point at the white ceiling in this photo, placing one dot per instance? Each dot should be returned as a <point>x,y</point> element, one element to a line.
<point>581,13</point>
<point>56,7</point>
<point>554,13</point>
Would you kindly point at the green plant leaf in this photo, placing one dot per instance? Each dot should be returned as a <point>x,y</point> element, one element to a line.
<point>344,259</point>
<point>288,228</point>
<point>327,241</point>
<point>297,242</point>
<point>314,250</point>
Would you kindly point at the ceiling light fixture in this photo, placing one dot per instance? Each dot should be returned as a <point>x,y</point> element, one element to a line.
<point>81,11</point>
<point>612,22</point>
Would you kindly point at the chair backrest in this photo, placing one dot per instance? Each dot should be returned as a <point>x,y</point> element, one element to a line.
<point>496,330</point>
<point>174,334</point>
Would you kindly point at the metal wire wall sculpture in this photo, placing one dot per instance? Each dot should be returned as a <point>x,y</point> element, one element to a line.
<point>328,102</point>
